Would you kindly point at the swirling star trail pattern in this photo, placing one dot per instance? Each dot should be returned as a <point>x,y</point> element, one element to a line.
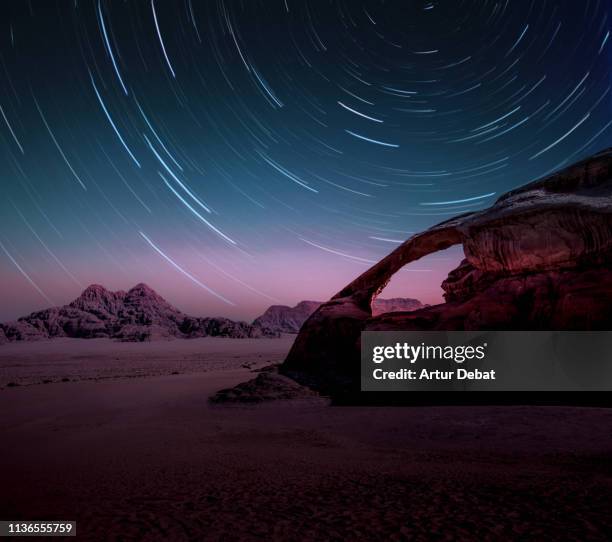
<point>233,153</point>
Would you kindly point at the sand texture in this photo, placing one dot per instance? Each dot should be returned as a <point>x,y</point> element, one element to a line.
<point>49,361</point>
<point>153,459</point>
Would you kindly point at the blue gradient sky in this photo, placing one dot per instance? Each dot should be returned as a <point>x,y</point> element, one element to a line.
<point>238,154</point>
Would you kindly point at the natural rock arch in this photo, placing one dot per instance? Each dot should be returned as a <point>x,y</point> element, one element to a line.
<point>325,352</point>
<point>536,237</point>
<point>365,288</point>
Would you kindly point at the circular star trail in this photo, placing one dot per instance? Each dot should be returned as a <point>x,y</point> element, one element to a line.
<point>235,154</point>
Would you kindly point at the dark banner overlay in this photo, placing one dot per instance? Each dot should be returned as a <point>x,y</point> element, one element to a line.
<point>486,361</point>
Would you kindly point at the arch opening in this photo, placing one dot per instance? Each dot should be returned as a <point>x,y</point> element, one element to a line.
<point>418,283</point>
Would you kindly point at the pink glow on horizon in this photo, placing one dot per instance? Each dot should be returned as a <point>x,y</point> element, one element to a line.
<point>287,277</point>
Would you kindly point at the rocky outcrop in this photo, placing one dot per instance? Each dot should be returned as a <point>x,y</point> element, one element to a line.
<point>539,258</point>
<point>395,304</point>
<point>267,386</point>
<point>223,327</point>
<point>139,314</point>
<point>20,330</point>
<point>284,319</point>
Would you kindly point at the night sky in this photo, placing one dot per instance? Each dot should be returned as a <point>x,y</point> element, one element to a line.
<point>235,154</point>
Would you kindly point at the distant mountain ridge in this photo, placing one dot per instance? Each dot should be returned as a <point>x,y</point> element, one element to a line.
<point>140,314</point>
<point>284,319</point>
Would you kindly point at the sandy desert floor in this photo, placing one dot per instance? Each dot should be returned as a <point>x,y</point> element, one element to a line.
<point>150,458</point>
<point>61,360</point>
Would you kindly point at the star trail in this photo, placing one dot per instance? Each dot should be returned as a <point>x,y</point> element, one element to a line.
<point>231,153</point>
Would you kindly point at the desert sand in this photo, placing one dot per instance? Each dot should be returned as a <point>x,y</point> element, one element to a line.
<point>49,361</point>
<point>132,451</point>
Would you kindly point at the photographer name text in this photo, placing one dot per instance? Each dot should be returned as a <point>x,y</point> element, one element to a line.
<point>422,353</point>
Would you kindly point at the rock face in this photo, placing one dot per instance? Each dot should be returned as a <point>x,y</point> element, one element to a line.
<point>139,314</point>
<point>395,304</point>
<point>284,319</point>
<point>540,258</point>
<point>267,386</point>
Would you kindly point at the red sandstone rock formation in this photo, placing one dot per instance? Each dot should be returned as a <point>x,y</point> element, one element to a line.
<point>139,314</point>
<point>539,258</point>
<point>283,319</point>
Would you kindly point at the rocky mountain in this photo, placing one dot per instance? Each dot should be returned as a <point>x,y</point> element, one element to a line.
<point>139,314</point>
<point>284,319</point>
<point>540,258</point>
